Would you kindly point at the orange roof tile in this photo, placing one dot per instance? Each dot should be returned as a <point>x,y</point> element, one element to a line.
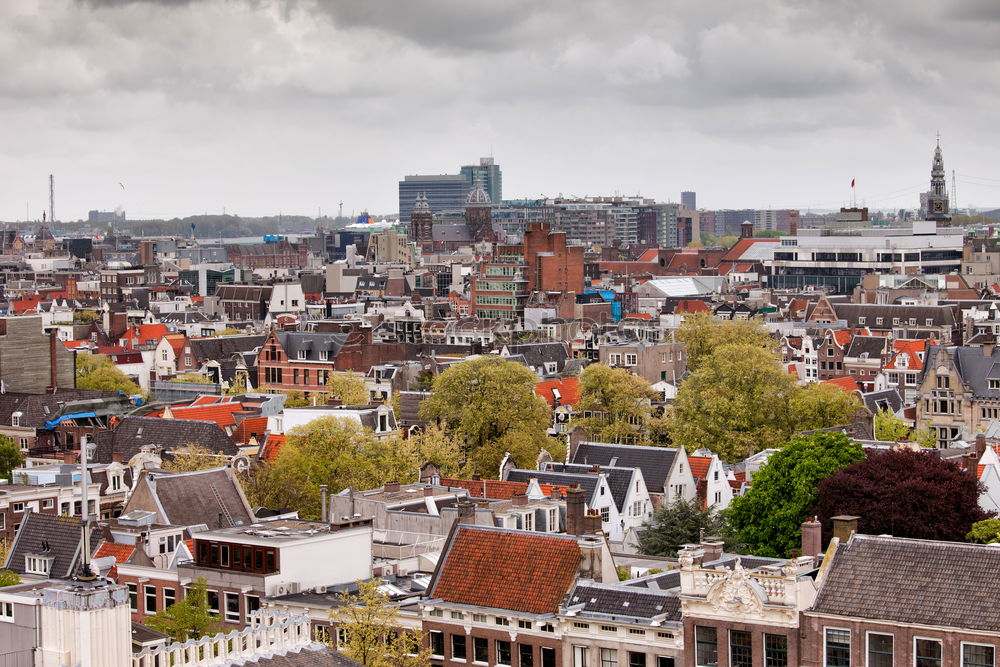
<point>176,341</point>
<point>845,382</point>
<point>639,316</point>
<point>650,255</point>
<point>272,447</point>
<point>496,489</point>
<point>223,415</point>
<point>569,391</point>
<point>740,248</point>
<point>691,306</point>
<point>521,571</point>
<point>843,338</point>
<point>248,428</point>
<point>121,552</point>
<point>699,466</point>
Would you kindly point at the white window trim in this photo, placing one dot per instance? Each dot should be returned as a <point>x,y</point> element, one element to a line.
<point>868,635</point>
<point>961,655</point>
<point>913,648</point>
<point>826,628</point>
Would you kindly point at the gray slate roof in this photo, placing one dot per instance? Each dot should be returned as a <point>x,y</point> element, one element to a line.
<point>620,479</point>
<point>50,535</point>
<point>203,496</point>
<point>869,346</point>
<point>927,582</point>
<point>975,368</point>
<point>35,409</point>
<point>655,462</point>
<point>587,482</point>
<point>309,656</point>
<point>622,601</point>
<point>135,432</point>
<point>311,343</point>
<point>888,399</point>
<point>941,315</point>
<point>219,348</point>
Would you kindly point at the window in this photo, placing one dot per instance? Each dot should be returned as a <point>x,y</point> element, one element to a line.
<point>525,655</point>
<point>324,355</point>
<point>457,615</point>
<point>838,648</point>
<point>213,601</point>
<point>636,659</point>
<point>705,646</point>
<point>37,565</point>
<point>149,594</point>
<point>775,651</point>
<point>7,612</point>
<point>637,632</point>
<point>252,604</point>
<point>610,629</point>
<point>977,655</point>
<point>232,607</point>
<point>48,504</point>
<point>546,627</point>
<point>878,321</point>
<point>552,525</point>
<point>503,652</point>
<point>580,654</point>
<point>740,648</point>
<point>17,507</point>
<point>133,597</point>
<point>548,656</point>
<point>524,625</point>
<point>528,521</point>
<point>501,620</point>
<point>927,652</point>
<point>880,650</point>
<point>169,597</point>
<point>663,661</point>
<point>458,647</point>
<point>436,641</point>
<point>479,618</point>
<point>437,613</point>
<point>605,515</point>
<point>609,657</point>
<point>480,649</point>
<point>861,320</point>
<point>580,625</point>
<point>630,360</point>
<point>301,355</point>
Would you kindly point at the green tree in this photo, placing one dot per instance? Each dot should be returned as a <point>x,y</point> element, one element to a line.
<point>10,457</point>
<point>986,531</point>
<point>369,626</point>
<point>623,398</point>
<point>682,522</point>
<point>436,445</point>
<point>192,378</point>
<point>890,428</point>
<point>7,577</point>
<point>490,405</point>
<point>337,452</point>
<point>296,399</point>
<point>229,331</point>
<point>737,401</point>
<point>349,387</point>
<point>784,492</point>
<point>188,619</point>
<point>821,406</point>
<point>194,457</point>
<point>97,371</point>
<point>703,333</point>
<point>238,386</point>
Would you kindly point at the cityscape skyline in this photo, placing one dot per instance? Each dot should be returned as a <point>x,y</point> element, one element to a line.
<point>757,105</point>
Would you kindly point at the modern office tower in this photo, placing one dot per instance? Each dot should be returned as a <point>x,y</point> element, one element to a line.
<point>487,175</point>
<point>689,200</point>
<point>444,192</point>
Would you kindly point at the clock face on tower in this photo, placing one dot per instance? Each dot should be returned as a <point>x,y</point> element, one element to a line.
<point>939,207</point>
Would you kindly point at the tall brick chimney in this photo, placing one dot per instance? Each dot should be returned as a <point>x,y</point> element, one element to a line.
<point>812,537</point>
<point>844,526</point>
<point>746,230</point>
<point>574,510</point>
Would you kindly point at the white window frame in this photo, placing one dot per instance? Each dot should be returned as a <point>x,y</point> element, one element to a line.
<point>171,599</point>
<point>301,355</point>
<point>148,593</point>
<point>868,635</point>
<point>7,612</point>
<point>961,657</point>
<point>229,616</point>
<point>913,648</point>
<point>827,628</point>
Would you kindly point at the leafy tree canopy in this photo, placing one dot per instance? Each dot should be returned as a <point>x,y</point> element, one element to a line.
<point>194,457</point>
<point>10,457</point>
<point>703,333</point>
<point>622,397</point>
<point>369,628</point>
<point>821,406</point>
<point>986,531</point>
<point>192,378</point>
<point>903,493</point>
<point>890,428</point>
<point>190,618</point>
<point>97,371</point>
<point>682,522</point>
<point>348,387</point>
<point>784,492</point>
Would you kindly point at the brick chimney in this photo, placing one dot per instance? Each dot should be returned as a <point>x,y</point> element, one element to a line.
<point>69,458</point>
<point>117,457</point>
<point>574,510</point>
<point>712,548</point>
<point>746,230</point>
<point>391,487</point>
<point>592,523</point>
<point>844,526</point>
<point>812,537</point>
<point>466,511</point>
<point>519,499</point>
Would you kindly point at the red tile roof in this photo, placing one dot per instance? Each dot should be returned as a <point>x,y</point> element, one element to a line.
<point>223,415</point>
<point>569,391</point>
<point>912,348</point>
<point>496,490</point>
<point>639,316</point>
<point>691,306</point>
<point>650,255</point>
<point>843,338</point>
<point>248,428</point>
<point>121,552</point>
<point>521,571</point>
<point>272,447</point>
<point>846,382</point>
<point>177,341</point>
<point>699,466</point>
<point>740,248</point>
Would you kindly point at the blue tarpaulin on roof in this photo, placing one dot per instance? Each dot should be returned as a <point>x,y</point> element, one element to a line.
<point>611,297</point>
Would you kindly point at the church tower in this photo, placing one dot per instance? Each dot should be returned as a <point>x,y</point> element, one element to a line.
<point>479,215</point>
<point>934,202</point>
<point>422,224</point>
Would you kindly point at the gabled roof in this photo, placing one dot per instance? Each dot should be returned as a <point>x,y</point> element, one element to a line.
<point>35,409</point>
<point>132,433</point>
<point>120,552</point>
<point>222,347</point>
<point>913,349</point>
<point>568,388</point>
<point>655,462</point>
<point>870,347</point>
<point>272,447</point>
<point>887,399</point>
<point>699,466</point>
<point>950,584</point>
<point>846,382</point>
<point>629,601</point>
<point>57,537</point>
<point>212,497</point>
<point>619,478</point>
<point>251,427</point>
<point>520,571</point>
<point>496,489</point>
<point>224,414</point>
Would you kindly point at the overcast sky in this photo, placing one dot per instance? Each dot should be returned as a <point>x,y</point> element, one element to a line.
<point>266,106</point>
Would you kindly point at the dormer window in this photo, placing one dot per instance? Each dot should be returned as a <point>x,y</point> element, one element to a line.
<point>324,355</point>
<point>301,355</point>
<point>39,565</point>
<point>15,419</point>
<point>903,361</point>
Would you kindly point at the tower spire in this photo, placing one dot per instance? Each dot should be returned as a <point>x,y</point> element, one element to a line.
<point>934,202</point>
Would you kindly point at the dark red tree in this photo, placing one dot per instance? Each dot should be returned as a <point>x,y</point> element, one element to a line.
<point>905,494</point>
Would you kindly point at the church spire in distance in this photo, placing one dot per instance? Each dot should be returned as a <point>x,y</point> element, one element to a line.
<point>934,202</point>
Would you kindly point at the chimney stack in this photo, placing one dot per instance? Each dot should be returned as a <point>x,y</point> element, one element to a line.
<point>592,523</point>
<point>519,499</point>
<point>466,511</point>
<point>591,559</point>
<point>844,526</point>
<point>391,487</point>
<point>712,548</point>
<point>117,457</point>
<point>746,230</point>
<point>69,458</point>
<point>812,537</point>
<point>574,510</point>
<point>324,513</point>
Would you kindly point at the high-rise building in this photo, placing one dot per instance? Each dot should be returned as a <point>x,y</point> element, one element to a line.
<point>934,203</point>
<point>444,192</point>
<point>689,200</point>
<point>486,175</point>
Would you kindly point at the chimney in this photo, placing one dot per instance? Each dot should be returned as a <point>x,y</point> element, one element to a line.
<point>466,511</point>
<point>594,469</point>
<point>592,523</point>
<point>428,491</point>
<point>69,458</point>
<point>746,230</point>
<point>519,499</point>
<point>812,537</point>
<point>391,487</point>
<point>712,548</point>
<point>574,510</point>
<point>324,514</point>
<point>556,494</point>
<point>980,446</point>
<point>844,526</point>
<point>591,559</point>
<point>117,457</point>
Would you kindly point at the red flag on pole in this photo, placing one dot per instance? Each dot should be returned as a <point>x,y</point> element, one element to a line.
<point>852,182</point>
